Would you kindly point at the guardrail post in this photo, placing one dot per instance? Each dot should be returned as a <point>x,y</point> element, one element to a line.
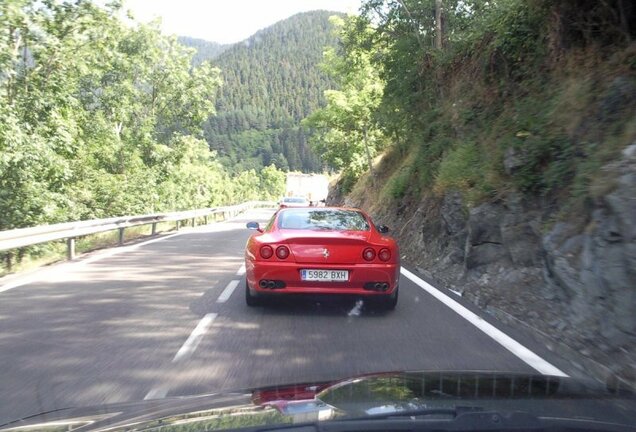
<point>193,222</point>
<point>9,260</point>
<point>205,219</point>
<point>154,228</point>
<point>177,226</point>
<point>70,248</point>
<point>121,236</point>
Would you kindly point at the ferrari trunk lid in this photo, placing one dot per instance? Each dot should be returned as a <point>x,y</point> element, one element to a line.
<point>326,247</point>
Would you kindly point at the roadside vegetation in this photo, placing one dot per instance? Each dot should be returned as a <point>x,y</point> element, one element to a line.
<point>483,97</point>
<point>506,147</point>
<point>101,117</point>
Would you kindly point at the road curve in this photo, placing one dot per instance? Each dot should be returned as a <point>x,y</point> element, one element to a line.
<point>168,318</point>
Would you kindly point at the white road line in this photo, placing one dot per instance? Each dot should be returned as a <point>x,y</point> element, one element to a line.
<point>227,292</point>
<point>122,249</point>
<point>157,393</point>
<point>67,267</point>
<point>184,352</point>
<point>17,284</point>
<point>193,340</point>
<point>241,271</point>
<point>506,341</point>
<point>457,293</point>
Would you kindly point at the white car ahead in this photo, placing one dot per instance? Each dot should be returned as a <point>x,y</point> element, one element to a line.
<point>296,201</point>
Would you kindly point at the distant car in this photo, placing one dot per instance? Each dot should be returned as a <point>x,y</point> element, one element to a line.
<point>325,250</point>
<point>296,201</point>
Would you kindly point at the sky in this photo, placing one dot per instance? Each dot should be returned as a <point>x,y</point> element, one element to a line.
<point>226,21</point>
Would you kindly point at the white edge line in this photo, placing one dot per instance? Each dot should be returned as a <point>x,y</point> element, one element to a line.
<point>241,270</point>
<point>42,275</point>
<point>18,283</point>
<point>157,393</point>
<point>118,250</point>
<point>503,339</point>
<point>193,340</point>
<point>227,292</point>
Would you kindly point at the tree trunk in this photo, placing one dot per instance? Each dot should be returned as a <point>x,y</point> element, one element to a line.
<point>120,152</point>
<point>414,23</point>
<point>25,51</point>
<point>624,21</point>
<point>439,39</point>
<point>438,24</point>
<point>369,158</point>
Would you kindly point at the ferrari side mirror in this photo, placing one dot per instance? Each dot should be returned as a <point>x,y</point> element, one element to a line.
<point>254,226</point>
<point>383,229</point>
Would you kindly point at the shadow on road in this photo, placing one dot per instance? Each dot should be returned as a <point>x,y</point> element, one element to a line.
<point>322,306</point>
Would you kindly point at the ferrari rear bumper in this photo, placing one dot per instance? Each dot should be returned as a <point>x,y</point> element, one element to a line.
<point>281,277</point>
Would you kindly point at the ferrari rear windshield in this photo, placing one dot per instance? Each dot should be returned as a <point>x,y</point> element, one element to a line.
<point>294,200</point>
<point>321,219</point>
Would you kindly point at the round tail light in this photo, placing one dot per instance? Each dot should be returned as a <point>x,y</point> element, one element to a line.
<point>384,254</point>
<point>267,251</point>
<point>282,252</point>
<point>368,254</point>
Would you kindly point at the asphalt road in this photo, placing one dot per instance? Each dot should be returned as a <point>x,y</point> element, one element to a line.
<point>167,317</point>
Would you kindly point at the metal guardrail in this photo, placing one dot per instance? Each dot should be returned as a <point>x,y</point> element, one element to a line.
<point>22,237</point>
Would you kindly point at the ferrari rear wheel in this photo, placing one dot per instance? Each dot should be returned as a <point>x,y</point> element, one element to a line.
<point>251,299</point>
<point>390,301</point>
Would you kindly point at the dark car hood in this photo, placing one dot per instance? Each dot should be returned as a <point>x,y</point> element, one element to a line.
<point>362,396</point>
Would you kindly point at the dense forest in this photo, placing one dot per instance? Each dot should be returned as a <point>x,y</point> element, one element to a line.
<point>271,81</point>
<point>99,118</point>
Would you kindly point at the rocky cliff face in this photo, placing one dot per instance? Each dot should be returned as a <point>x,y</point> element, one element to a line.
<point>573,281</point>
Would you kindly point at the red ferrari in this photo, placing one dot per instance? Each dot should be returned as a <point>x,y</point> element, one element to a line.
<point>326,250</point>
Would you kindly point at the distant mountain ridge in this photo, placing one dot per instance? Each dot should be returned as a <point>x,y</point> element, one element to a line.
<point>271,81</point>
<point>206,50</point>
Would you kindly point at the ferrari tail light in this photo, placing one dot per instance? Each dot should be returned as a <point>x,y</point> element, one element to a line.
<point>267,251</point>
<point>368,254</point>
<point>384,254</point>
<point>282,252</point>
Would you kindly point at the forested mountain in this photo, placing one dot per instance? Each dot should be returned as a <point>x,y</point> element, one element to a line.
<point>206,50</point>
<point>271,81</point>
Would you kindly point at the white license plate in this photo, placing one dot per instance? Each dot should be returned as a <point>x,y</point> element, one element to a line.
<point>324,275</point>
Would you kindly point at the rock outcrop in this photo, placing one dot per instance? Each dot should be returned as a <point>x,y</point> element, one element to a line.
<point>572,280</point>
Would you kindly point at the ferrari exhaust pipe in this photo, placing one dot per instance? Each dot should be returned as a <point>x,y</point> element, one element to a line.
<point>385,286</point>
<point>271,284</point>
<point>378,286</point>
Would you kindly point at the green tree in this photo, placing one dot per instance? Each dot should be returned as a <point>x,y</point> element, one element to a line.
<point>346,130</point>
<point>272,181</point>
<point>98,118</point>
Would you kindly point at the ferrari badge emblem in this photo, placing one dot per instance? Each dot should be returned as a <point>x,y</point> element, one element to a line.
<point>325,253</point>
